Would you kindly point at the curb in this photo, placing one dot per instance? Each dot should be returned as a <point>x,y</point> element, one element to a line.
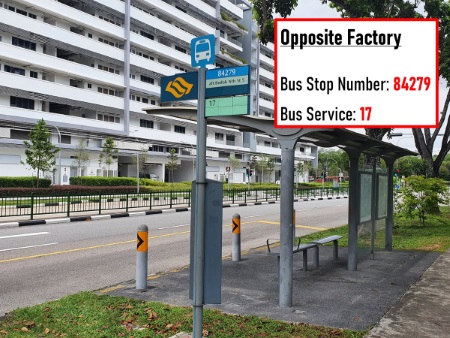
<point>137,213</point>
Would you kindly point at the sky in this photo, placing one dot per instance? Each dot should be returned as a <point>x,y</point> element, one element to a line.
<point>315,9</point>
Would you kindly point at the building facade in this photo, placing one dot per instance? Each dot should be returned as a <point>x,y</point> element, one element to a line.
<point>88,68</point>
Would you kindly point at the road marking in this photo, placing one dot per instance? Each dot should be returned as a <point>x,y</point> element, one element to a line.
<point>297,226</point>
<point>28,247</point>
<point>86,248</point>
<point>172,227</point>
<point>26,235</point>
<point>251,216</point>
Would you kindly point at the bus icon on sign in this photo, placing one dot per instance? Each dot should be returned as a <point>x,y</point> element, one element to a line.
<point>203,51</point>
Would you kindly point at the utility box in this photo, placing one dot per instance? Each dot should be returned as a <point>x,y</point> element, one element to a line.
<point>212,269</point>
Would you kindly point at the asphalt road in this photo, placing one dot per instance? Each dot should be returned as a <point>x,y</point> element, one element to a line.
<point>46,262</point>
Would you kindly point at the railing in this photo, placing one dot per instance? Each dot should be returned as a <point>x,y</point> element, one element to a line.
<point>69,205</point>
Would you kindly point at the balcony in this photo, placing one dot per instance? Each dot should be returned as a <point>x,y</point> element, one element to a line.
<point>266,74</point>
<point>59,34</point>
<point>268,150</point>
<point>156,67</point>
<point>267,105</point>
<point>231,43</point>
<point>266,90</point>
<point>232,9</point>
<point>75,17</point>
<point>180,16</point>
<point>266,60</point>
<point>161,25</point>
<point>70,122</point>
<point>65,92</point>
<point>160,49</point>
<point>22,56</point>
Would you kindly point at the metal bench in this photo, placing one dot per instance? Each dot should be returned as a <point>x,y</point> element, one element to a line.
<point>323,241</point>
<point>310,245</point>
<point>297,248</point>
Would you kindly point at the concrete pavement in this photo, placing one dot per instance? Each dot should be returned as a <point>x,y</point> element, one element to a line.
<point>406,293</point>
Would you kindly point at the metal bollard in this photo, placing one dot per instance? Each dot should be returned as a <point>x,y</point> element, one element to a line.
<point>141,257</point>
<point>236,238</point>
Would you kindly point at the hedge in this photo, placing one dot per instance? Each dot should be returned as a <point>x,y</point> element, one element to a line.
<point>64,190</point>
<point>97,181</point>
<point>23,182</point>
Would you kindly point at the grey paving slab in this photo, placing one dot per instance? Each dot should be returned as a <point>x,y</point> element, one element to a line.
<point>329,295</point>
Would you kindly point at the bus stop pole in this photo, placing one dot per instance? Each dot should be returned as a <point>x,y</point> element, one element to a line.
<point>199,209</point>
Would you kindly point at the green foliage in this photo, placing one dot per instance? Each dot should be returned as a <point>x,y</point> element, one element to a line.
<point>172,164</point>
<point>97,181</point>
<point>263,11</point>
<point>40,152</point>
<point>23,182</point>
<point>109,153</point>
<point>88,314</point>
<point>411,165</point>
<point>421,197</point>
<point>81,161</point>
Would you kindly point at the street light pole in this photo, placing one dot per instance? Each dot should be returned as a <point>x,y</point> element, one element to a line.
<point>59,155</point>
<point>137,171</point>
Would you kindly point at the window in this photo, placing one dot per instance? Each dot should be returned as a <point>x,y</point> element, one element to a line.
<point>21,102</point>
<point>89,85</point>
<point>14,70</point>
<point>33,16</point>
<point>159,149</point>
<point>266,143</point>
<point>90,35</point>
<point>219,137</point>
<point>108,118</point>
<point>230,137</point>
<point>146,124</point>
<point>153,102</point>
<point>20,11</point>
<point>66,139</point>
<point>144,100</point>
<point>147,35</point>
<point>23,43</point>
<point>33,74</point>
<point>180,49</point>
<point>180,129</point>
<point>147,79</point>
<point>302,149</point>
<point>105,91</point>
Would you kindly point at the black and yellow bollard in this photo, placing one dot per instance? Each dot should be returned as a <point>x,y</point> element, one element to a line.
<point>236,238</point>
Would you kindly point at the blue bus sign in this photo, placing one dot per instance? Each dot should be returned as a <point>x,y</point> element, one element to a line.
<point>227,81</point>
<point>203,51</point>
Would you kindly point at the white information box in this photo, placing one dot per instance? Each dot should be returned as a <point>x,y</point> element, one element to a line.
<point>356,73</point>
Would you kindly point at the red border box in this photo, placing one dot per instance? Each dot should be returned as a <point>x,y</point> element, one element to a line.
<point>436,21</point>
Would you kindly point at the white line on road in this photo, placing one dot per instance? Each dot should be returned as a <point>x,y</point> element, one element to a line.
<point>25,235</point>
<point>251,216</point>
<point>28,247</point>
<point>175,226</point>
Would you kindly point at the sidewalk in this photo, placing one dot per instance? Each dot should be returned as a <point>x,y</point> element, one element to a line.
<point>329,295</point>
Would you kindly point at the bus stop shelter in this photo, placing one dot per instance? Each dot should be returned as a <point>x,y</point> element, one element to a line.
<point>376,201</point>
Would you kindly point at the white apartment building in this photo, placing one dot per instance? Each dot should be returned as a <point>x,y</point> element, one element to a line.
<point>89,67</point>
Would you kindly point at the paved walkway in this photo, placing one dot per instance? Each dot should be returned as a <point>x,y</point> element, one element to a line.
<point>424,310</point>
<point>391,289</point>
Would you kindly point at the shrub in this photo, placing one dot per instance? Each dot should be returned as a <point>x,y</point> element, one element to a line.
<point>97,181</point>
<point>23,182</point>
<point>421,197</point>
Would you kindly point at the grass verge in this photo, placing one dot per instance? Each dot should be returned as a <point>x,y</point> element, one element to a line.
<point>407,234</point>
<point>87,314</point>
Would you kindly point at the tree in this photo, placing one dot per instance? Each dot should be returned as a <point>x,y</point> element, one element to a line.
<point>109,153</point>
<point>261,165</point>
<point>411,165</point>
<point>81,161</point>
<point>141,158</point>
<point>424,138</point>
<point>172,164</point>
<point>421,197</point>
<point>234,164</point>
<point>270,165</point>
<point>40,152</point>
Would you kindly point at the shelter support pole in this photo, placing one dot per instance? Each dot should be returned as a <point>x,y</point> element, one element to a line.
<point>286,218</point>
<point>390,204</point>
<point>354,201</point>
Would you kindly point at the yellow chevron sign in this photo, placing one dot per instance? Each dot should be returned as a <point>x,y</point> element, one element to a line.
<point>179,87</point>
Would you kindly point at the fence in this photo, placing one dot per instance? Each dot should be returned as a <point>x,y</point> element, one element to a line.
<point>69,205</point>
